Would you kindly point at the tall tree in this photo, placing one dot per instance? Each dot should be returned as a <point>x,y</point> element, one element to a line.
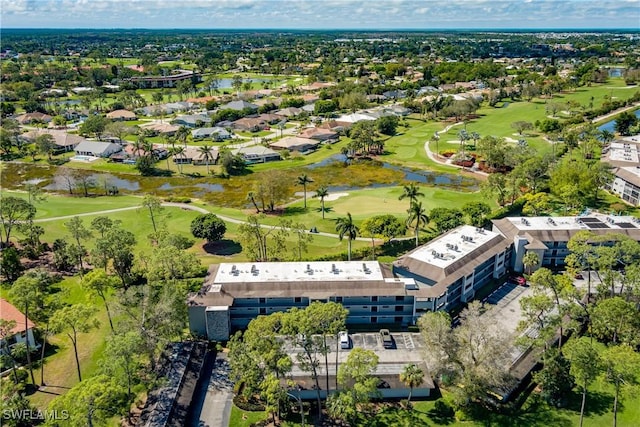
<point>154,206</point>
<point>79,233</point>
<point>122,357</point>
<point>322,192</point>
<point>411,376</point>
<point>92,402</point>
<point>304,180</point>
<point>206,152</point>
<point>99,283</point>
<point>14,210</point>
<point>530,260</point>
<point>346,227</point>
<point>72,320</point>
<point>411,192</point>
<point>417,219</point>
<point>622,368</point>
<point>356,380</point>
<point>476,354</point>
<point>476,213</point>
<point>586,365</point>
<point>27,293</point>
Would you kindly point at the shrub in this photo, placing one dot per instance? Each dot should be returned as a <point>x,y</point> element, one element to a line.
<point>177,199</point>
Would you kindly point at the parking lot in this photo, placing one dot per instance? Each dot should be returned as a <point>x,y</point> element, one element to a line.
<point>407,347</point>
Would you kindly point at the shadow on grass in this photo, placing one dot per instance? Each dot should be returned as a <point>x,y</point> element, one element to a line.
<point>597,403</point>
<point>223,247</point>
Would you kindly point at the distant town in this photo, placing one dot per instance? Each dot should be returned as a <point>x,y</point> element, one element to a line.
<point>289,228</point>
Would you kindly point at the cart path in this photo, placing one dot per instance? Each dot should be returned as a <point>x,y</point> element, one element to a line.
<point>191,208</point>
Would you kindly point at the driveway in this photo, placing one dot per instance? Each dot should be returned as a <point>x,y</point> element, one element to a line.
<point>216,407</point>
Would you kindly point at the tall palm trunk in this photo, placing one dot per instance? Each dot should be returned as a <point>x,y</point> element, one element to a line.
<point>44,343</point>
<point>26,329</point>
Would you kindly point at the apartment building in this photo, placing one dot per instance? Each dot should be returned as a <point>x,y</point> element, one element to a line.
<point>548,236</point>
<point>449,270</point>
<point>440,275</point>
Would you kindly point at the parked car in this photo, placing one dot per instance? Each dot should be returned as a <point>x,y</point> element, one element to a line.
<point>387,339</point>
<point>345,342</point>
<point>518,280</point>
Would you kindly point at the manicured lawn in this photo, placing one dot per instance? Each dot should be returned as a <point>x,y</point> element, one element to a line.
<point>59,205</point>
<point>240,418</point>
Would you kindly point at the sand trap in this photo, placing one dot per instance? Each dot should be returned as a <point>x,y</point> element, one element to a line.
<point>334,196</point>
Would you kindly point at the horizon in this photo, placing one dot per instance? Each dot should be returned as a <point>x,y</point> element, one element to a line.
<point>328,15</point>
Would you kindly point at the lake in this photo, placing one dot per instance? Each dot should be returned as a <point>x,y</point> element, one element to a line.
<point>611,126</point>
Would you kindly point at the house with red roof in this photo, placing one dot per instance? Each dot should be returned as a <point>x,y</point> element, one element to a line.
<point>20,332</point>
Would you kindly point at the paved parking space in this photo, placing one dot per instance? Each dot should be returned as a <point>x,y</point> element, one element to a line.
<point>408,347</point>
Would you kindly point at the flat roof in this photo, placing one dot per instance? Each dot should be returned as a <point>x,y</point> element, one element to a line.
<point>590,222</point>
<point>313,271</point>
<point>624,152</point>
<point>452,246</point>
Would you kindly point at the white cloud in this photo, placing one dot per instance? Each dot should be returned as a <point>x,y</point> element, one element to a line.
<point>320,13</point>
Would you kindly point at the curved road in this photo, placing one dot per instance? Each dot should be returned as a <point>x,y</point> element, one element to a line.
<point>191,208</point>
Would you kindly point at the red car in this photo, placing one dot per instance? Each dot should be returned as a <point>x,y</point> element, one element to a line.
<point>518,280</point>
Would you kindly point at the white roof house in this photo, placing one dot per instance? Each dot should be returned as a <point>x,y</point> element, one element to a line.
<point>97,148</point>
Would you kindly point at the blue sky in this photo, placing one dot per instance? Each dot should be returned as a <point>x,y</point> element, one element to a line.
<point>320,14</point>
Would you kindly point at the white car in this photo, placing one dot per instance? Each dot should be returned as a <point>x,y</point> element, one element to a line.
<point>345,343</point>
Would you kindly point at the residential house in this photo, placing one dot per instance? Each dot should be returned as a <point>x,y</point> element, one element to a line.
<point>319,134</point>
<point>192,120</point>
<point>239,106</point>
<point>355,117</point>
<point>215,133</point>
<point>295,143</point>
<point>192,155</point>
<point>130,153</point>
<point>35,117</point>
<point>63,140</point>
<point>250,124</point>
<point>289,112</point>
<point>121,115</point>
<point>20,333</point>
<point>395,94</point>
<point>97,148</point>
<point>161,128</point>
<point>257,154</point>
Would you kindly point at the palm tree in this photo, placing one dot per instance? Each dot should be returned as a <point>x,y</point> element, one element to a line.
<point>207,154</point>
<point>322,192</point>
<point>411,192</point>
<point>606,136</point>
<point>418,217</point>
<point>138,144</point>
<point>530,260</point>
<point>304,180</point>
<point>346,227</point>
<point>412,376</point>
<point>177,152</point>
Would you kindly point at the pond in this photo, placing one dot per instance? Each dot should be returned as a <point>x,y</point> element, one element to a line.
<point>611,126</point>
<point>421,176</point>
<point>59,182</point>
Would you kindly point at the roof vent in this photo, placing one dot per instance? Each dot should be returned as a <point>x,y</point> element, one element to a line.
<point>365,268</point>
<point>334,269</point>
<point>524,221</point>
<point>480,230</point>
